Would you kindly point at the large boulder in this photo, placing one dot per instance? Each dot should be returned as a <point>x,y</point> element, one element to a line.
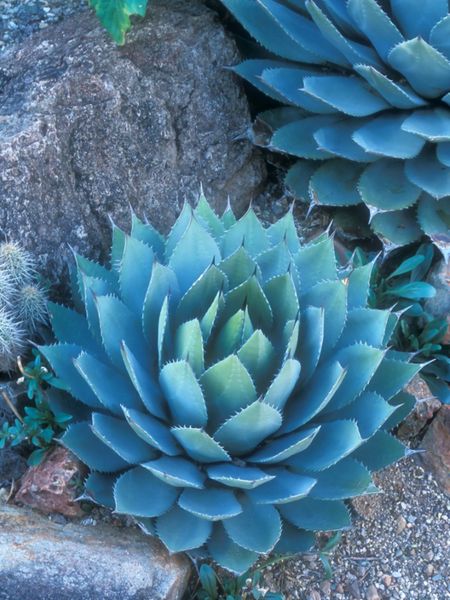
<point>88,129</point>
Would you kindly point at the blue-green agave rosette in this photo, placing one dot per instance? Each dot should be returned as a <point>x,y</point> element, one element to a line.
<point>366,84</point>
<point>229,390</point>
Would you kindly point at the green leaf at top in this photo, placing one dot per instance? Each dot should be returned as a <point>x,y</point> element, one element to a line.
<point>114,15</point>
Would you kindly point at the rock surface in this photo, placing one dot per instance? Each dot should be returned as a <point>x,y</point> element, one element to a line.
<point>42,560</point>
<point>436,442</point>
<point>12,465</point>
<point>88,128</point>
<point>51,486</point>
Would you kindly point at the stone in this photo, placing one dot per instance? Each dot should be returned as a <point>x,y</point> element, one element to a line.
<point>88,129</point>
<point>436,442</point>
<point>426,407</point>
<point>372,593</point>
<point>401,524</point>
<point>12,465</point>
<point>51,487</point>
<point>42,560</point>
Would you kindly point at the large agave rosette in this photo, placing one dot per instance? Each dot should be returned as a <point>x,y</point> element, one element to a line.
<point>367,84</point>
<point>229,390</point>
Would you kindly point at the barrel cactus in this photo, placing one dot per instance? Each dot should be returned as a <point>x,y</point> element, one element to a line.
<point>367,84</point>
<point>229,389</point>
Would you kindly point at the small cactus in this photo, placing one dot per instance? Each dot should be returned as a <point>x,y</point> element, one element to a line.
<point>23,302</point>
<point>12,339</point>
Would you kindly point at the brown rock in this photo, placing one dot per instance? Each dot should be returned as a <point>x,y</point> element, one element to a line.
<point>372,593</point>
<point>387,580</point>
<point>425,409</point>
<point>436,442</point>
<point>88,128</point>
<point>401,524</point>
<point>51,486</point>
<point>43,560</point>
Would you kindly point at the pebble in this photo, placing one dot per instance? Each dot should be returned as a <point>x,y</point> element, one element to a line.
<point>387,580</point>
<point>429,570</point>
<point>326,587</point>
<point>314,595</point>
<point>372,593</point>
<point>401,524</point>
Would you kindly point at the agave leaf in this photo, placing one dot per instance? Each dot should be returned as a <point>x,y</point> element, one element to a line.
<point>396,228</point>
<point>440,35</point>
<point>233,476</point>
<point>384,136</point>
<point>148,390</point>
<point>247,232</point>
<point>317,515</point>
<point>230,336</point>
<point>162,283</point>
<point>257,528</point>
<point>355,53</point>
<point>100,488</point>
<point>164,338</point>
<point>432,124</point>
<point>428,172</point>
<point>246,429</point>
<point>332,297</point>
<point>117,247</point>
<point>194,253</point>
<point>90,268</point>
<point>108,384</point>
<point>144,232</point>
<point>258,21</point>
<point>316,262</point>
<point>70,327</point>
<point>282,296</point>
<point>228,388</point>
<point>358,286</point>
<point>293,540</point>
<point>285,230</point>
<point>338,139</point>
<point>384,186</point>
<point>121,438</point>
<point>118,324</point>
<point>178,230</point>
<point>375,25</point>
<point>402,403</point>
<point>283,385</point>
<point>286,487</point>
<point>199,298</point>
<point>238,267</point>
<point>288,82</point>
<point>212,504</point>
<point>334,441</point>
<point>379,451</point>
<point>335,183</point>
<point>298,177</point>
<point>211,315</point>
<point>315,396</point>
<point>251,71</point>
<point>443,153</point>
<point>348,95</point>
<point>346,479</point>
<point>360,362</point>
<point>365,325</point>
<point>225,552</point>
<point>137,492</point>
<point>392,376</point>
<point>275,261</point>
<point>180,530</point>
<point>92,288</point>
<point>152,431</point>
<point>189,345</point>
<point>135,272</point>
<point>415,23</point>
<point>297,138</point>
<point>258,357</point>
<point>199,445</point>
<point>434,218</point>
<point>284,447</point>
<point>311,332</point>
<point>183,394</point>
<point>399,96</point>
<point>176,471</point>
<point>205,214</point>
<point>80,440</point>
<point>369,411</point>
<point>61,357</point>
<point>425,68</point>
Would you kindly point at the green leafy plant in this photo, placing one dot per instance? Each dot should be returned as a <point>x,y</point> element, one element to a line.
<point>244,587</point>
<point>417,332</point>
<point>231,390</point>
<point>114,15</point>
<point>325,553</point>
<point>40,424</point>
<point>366,89</point>
<point>23,302</point>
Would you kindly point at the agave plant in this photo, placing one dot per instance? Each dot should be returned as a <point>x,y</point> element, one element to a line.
<point>367,84</point>
<point>229,390</point>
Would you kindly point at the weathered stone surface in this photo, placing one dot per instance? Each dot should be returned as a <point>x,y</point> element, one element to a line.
<point>12,465</point>
<point>412,428</point>
<point>51,486</point>
<point>88,128</point>
<point>436,442</point>
<point>42,560</point>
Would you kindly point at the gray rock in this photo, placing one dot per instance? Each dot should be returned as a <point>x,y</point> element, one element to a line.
<point>43,560</point>
<point>12,465</point>
<point>88,128</point>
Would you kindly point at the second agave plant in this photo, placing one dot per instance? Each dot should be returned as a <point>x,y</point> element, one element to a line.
<point>366,89</point>
<point>229,390</point>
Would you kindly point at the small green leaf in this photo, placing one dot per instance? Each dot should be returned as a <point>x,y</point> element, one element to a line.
<point>114,15</point>
<point>413,291</point>
<point>407,266</point>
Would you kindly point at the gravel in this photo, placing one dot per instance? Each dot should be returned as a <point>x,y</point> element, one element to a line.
<point>19,18</point>
<point>397,550</point>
